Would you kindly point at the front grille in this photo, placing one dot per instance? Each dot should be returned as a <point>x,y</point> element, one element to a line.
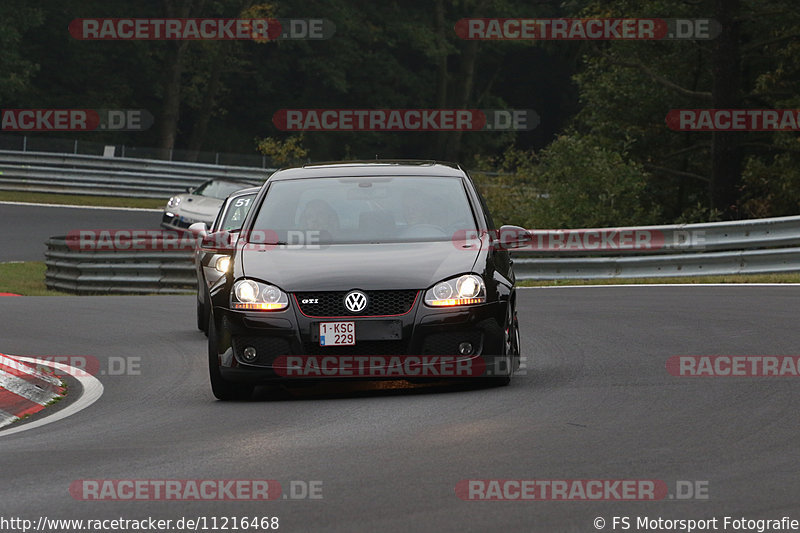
<point>175,221</point>
<point>360,348</point>
<point>381,303</point>
<point>181,223</point>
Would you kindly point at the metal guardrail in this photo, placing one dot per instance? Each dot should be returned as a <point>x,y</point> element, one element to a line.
<point>743,247</point>
<point>710,264</point>
<point>48,143</point>
<point>117,272</point>
<point>759,246</point>
<point>667,239</point>
<point>110,176</point>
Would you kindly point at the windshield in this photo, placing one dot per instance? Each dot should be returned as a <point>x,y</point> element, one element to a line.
<point>219,189</point>
<point>366,209</point>
<point>238,208</point>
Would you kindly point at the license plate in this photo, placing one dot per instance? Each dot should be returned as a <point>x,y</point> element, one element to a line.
<point>337,333</point>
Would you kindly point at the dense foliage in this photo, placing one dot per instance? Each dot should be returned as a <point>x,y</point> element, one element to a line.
<point>602,154</point>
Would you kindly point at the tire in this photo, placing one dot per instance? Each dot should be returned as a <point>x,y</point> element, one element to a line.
<point>203,308</point>
<point>510,350</point>
<point>517,347</point>
<point>222,389</point>
<point>202,317</point>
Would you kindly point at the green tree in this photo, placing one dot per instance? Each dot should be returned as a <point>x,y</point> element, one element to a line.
<point>627,88</point>
<point>16,16</point>
<point>573,183</point>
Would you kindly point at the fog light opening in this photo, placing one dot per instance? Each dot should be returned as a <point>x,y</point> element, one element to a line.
<point>249,354</point>
<point>465,348</point>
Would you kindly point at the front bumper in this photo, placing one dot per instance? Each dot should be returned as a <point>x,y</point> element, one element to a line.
<point>171,220</point>
<point>423,343</point>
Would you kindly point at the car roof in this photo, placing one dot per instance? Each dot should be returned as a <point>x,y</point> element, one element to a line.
<point>235,181</point>
<point>376,167</point>
<point>244,192</point>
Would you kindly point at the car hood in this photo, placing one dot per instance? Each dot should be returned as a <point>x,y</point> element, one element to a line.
<point>201,207</point>
<point>388,266</point>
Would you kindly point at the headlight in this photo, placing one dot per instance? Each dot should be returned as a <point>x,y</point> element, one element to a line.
<point>256,296</point>
<point>174,201</point>
<point>468,289</point>
<point>223,264</point>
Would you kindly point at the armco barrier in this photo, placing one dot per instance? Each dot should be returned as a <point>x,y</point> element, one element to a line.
<point>705,237</point>
<point>697,264</point>
<point>117,272</point>
<point>759,246</point>
<point>110,176</point>
<point>742,247</point>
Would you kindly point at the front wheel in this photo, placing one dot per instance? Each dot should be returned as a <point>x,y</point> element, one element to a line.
<point>222,389</point>
<point>511,353</point>
<point>202,317</point>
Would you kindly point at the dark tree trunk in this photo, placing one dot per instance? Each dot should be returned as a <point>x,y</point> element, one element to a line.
<point>469,57</point>
<point>201,124</point>
<point>726,160</point>
<point>173,69</point>
<point>441,81</point>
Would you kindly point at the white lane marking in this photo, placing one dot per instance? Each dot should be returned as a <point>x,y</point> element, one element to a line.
<point>86,206</point>
<point>92,390</point>
<point>666,285</point>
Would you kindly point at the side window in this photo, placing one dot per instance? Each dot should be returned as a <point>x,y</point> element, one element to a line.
<point>236,212</point>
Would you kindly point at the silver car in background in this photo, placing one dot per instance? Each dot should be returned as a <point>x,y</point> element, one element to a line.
<point>201,203</point>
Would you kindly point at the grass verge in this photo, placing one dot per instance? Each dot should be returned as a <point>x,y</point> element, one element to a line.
<point>746,278</point>
<point>77,199</point>
<point>25,278</point>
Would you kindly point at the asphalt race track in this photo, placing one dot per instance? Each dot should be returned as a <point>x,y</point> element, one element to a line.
<point>27,228</point>
<point>596,403</point>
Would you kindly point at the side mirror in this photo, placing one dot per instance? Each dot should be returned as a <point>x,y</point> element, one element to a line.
<point>189,189</point>
<point>199,229</point>
<point>511,237</point>
<point>220,242</point>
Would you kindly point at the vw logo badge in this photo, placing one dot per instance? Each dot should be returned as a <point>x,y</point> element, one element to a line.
<point>355,301</point>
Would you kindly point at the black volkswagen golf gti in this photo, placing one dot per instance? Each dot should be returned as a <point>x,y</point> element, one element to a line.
<point>371,270</point>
